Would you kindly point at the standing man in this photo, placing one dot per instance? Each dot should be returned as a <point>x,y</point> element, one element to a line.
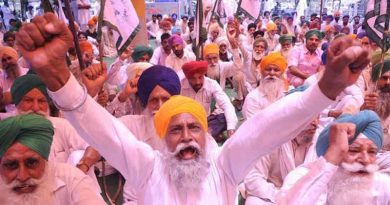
<point>161,53</point>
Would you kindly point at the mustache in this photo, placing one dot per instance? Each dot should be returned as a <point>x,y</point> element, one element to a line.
<point>358,167</point>
<point>42,113</point>
<point>182,146</point>
<point>385,89</point>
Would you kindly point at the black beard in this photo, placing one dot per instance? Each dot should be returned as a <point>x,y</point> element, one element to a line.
<point>383,106</point>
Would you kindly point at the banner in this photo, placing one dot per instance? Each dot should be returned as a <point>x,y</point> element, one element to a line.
<point>377,22</point>
<point>251,8</point>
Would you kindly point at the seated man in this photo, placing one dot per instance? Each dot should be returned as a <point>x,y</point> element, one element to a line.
<point>179,54</point>
<point>161,53</point>
<point>264,181</point>
<point>25,174</point>
<point>346,172</point>
<point>271,86</point>
<point>206,91</point>
<point>189,170</point>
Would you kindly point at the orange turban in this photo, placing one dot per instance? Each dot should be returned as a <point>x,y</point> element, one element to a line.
<point>211,48</point>
<point>193,67</point>
<point>85,46</point>
<point>177,105</point>
<point>95,19</point>
<point>9,51</point>
<point>353,36</point>
<point>271,26</point>
<point>91,22</point>
<point>274,58</point>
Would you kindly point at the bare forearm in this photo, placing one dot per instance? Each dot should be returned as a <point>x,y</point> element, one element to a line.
<point>294,70</point>
<point>91,156</point>
<point>55,78</point>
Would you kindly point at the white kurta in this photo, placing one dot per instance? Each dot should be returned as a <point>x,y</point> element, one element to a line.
<point>172,61</point>
<point>211,90</point>
<point>254,102</point>
<point>144,168</point>
<point>307,185</point>
<point>159,56</point>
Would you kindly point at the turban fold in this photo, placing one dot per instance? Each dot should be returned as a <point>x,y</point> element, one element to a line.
<point>367,122</point>
<point>271,26</point>
<point>85,46</point>
<point>285,38</point>
<point>376,64</point>
<point>214,27</point>
<point>211,48</point>
<point>175,39</point>
<point>178,105</point>
<point>158,75</point>
<point>222,40</point>
<point>193,67</point>
<point>313,32</point>
<point>91,22</point>
<point>24,84</point>
<point>33,131</point>
<point>274,58</point>
<point>140,51</point>
<point>9,51</point>
<point>136,68</point>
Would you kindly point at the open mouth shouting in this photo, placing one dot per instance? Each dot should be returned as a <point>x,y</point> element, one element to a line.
<point>188,152</point>
<point>24,188</point>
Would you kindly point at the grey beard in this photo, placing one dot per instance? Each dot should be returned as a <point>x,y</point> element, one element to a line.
<point>348,189</point>
<point>187,174</point>
<point>272,90</point>
<point>383,106</point>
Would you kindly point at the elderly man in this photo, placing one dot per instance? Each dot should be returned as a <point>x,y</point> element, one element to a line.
<point>271,86</point>
<point>305,60</point>
<point>26,175</point>
<point>189,170</point>
<point>224,54</point>
<point>142,54</point>
<point>205,91</point>
<point>252,60</point>
<point>88,58</point>
<point>30,96</point>
<point>271,36</point>
<point>179,55</point>
<point>286,45</point>
<point>346,172</point>
<point>11,70</point>
<point>265,180</point>
<point>161,53</point>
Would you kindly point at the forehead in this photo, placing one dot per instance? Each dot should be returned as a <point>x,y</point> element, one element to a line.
<point>158,91</point>
<point>363,142</point>
<point>387,74</point>
<point>213,55</point>
<point>18,151</point>
<point>34,93</point>
<point>272,67</point>
<point>182,118</point>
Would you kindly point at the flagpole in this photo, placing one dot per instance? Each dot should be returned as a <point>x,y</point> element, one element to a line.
<point>74,33</point>
<point>99,31</point>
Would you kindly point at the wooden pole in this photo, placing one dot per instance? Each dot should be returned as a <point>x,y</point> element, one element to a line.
<point>68,13</point>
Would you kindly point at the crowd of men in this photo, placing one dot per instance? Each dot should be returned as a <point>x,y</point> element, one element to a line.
<point>272,111</point>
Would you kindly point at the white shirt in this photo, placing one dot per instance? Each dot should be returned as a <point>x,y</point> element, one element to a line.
<point>152,28</point>
<point>211,90</point>
<point>176,63</point>
<point>144,169</point>
<point>159,56</point>
<point>254,102</point>
<point>307,185</point>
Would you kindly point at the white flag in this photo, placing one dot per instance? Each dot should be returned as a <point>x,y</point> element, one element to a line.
<point>121,15</point>
<point>377,21</point>
<point>251,8</point>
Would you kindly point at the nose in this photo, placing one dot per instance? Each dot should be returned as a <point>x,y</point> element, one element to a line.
<point>364,158</point>
<point>186,137</point>
<point>35,106</point>
<point>22,174</point>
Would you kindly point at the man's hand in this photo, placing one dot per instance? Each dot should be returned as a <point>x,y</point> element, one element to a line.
<point>44,44</point>
<point>131,88</point>
<point>94,78</point>
<point>370,101</point>
<point>345,61</point>
<point>103,97</point>
<point>339,135</point>
<point>232,33</point>
<point>126,53</point>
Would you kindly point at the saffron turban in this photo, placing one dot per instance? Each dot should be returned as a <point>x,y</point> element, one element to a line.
<point>85,46</point>
<point>367,122</point>
<point>193,67</point>
<point>274,58</point>
<point>91,22</point>
<point>178,105</point>
<point>8,51</point>
<point>157,75</point>
<point>175,39</point>
<point>140,51</point>
<point>376,64</point>
<point>136,68</point>
<point>24,84</point>
<point>271,26</point>
<point>33,131</point>
<point>211,48</point>
<point>313,32</point>
<point>285,38</point>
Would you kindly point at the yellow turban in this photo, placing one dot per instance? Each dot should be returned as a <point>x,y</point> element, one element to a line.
<point>271,26</point>
<point>9,51</point>
<point>211,48</point>
<point>176,105</point>
<point>274,58</point>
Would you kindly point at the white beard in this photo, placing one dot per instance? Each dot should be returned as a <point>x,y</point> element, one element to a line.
<point>349,188</point>
<point>213,72</point>
<point>272,89</point>
<point>257,56</point>
<point>285,53</point>
<point>187,174</point>
<point>43,194</point>
<point>41,113</point>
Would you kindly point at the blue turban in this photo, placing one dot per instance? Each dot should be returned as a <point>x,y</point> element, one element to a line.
<point>367,122</point>
<point>158,75</point>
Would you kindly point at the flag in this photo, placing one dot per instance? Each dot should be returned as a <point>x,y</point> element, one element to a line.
<point>250,8</point>
<point>377,22</point>
<point>122,17</point>
<point>60,12</point>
